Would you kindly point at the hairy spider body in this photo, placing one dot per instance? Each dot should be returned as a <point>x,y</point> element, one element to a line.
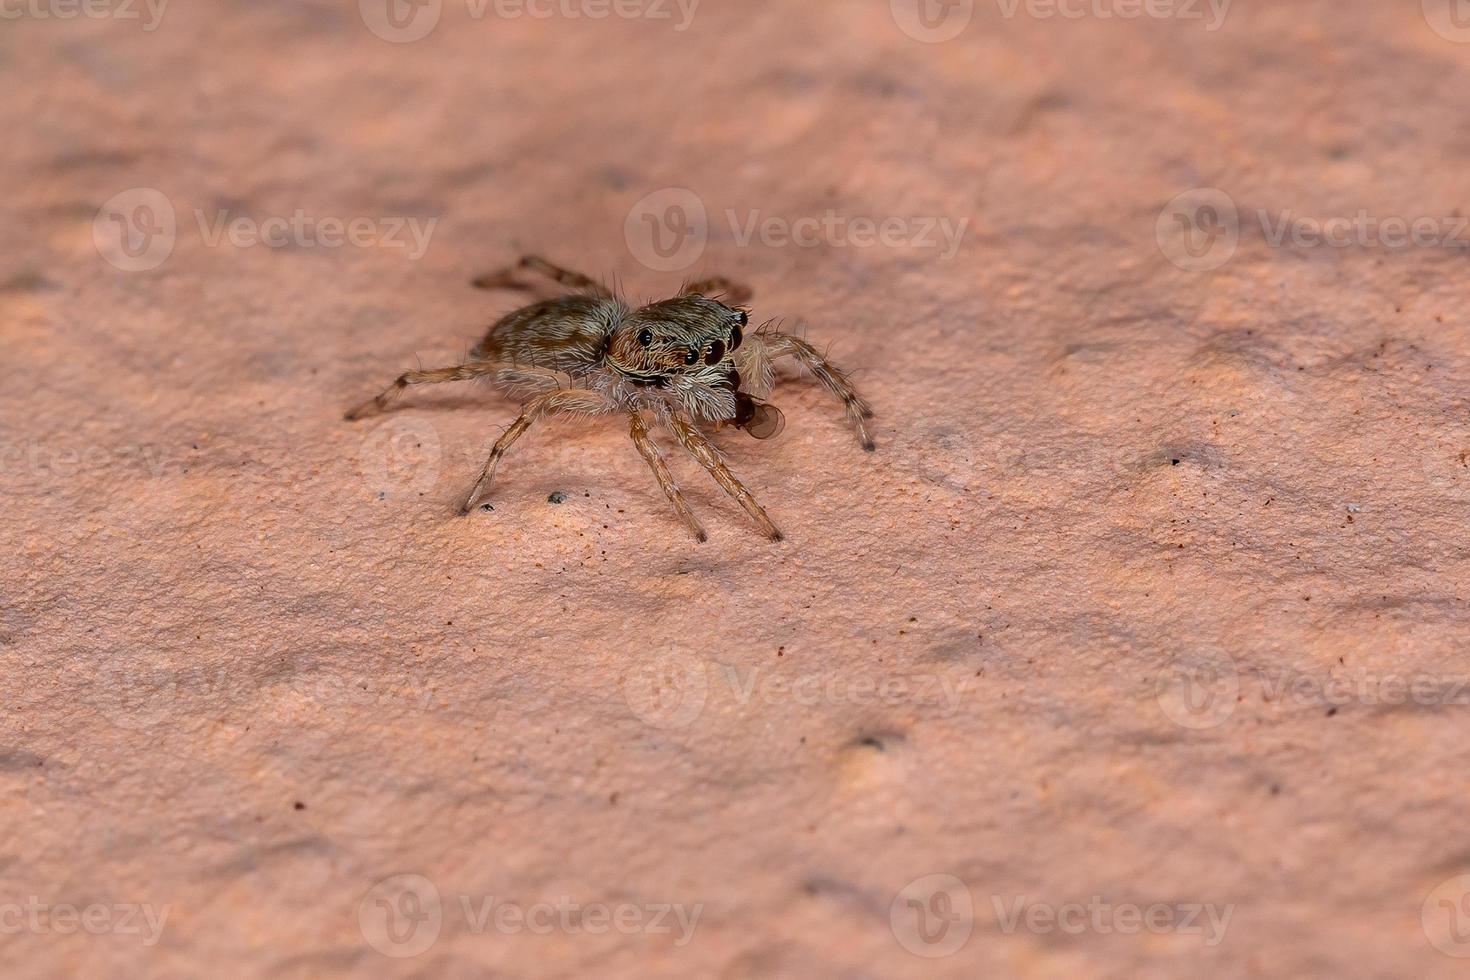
<point>683,361</point>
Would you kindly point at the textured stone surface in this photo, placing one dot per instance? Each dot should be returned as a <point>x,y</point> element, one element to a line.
<point>254,664</point>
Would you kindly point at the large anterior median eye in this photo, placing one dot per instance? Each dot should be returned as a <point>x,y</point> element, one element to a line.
<point>716,354</point>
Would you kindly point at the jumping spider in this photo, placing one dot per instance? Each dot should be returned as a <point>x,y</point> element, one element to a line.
<point>681,361</point>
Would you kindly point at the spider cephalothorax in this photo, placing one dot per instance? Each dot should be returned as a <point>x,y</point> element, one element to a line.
<point>685,360</point>
<point>684,347</point>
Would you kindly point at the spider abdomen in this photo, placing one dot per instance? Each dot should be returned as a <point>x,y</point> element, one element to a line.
<point>567,334</point>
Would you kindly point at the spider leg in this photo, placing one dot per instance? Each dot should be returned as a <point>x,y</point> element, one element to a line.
<point>699,447</point>
<point>460,372</point>
<point>572,280</point>
<point>735,292</point>
<point>638,429</point>
<point>565,401</point>
<point>830,376</point>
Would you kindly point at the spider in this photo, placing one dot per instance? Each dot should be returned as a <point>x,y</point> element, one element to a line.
<point>677,362</point>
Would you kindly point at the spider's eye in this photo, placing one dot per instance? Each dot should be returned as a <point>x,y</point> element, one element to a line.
<point>691,356</point>
<point>735,337</point>
<point>716,354</point>
<point>744,318</point>
<point>645,337</point>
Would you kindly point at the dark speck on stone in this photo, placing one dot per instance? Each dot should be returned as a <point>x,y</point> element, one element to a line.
<point>557,497</point>
<point>382,495</point>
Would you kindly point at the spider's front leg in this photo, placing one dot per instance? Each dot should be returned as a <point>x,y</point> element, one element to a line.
<point>566,401</point>
<point>771,345</point>
<point>700,448</point>
<point>568,278</point>
<point>638,429</point>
